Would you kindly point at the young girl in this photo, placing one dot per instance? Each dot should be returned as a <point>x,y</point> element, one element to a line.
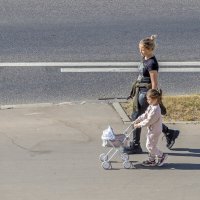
<point>152,118</point>
<point>148,74</point>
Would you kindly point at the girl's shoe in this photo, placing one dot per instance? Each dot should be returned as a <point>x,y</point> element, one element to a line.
<point>161,160</point>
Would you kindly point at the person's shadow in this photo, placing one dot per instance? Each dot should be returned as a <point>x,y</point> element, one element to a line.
<point>180,166</point>
<point>186,149</point>
<point>172,166</point>
<point>187,152</point>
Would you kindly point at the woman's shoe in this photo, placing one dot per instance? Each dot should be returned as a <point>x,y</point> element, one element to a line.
<point>133,149</point>
<point>171,138</point>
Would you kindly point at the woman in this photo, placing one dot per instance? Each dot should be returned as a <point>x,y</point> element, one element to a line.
<point>147,79</point>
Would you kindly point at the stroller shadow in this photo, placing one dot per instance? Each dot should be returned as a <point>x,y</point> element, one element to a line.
<point>120,168</point>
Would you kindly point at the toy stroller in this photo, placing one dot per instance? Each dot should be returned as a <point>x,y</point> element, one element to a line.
<point>116,142</point>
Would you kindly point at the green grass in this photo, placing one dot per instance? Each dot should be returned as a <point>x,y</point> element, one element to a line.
<point>179,108</point>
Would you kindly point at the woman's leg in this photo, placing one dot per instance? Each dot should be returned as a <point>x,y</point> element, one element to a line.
<point>135,144</point>
<point>137,131</point>
<point>170,135</point>
<point>143,104</point>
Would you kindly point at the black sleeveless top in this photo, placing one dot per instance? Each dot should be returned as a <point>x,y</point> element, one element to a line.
<point>145,67</point>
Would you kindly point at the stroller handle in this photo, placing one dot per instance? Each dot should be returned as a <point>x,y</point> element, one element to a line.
<point>126,130</point>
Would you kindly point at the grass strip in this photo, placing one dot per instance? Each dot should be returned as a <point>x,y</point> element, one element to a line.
<point>179,108</point>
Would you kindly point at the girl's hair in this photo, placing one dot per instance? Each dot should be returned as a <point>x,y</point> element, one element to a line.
<point>155,94</point>
<point>149,42</point>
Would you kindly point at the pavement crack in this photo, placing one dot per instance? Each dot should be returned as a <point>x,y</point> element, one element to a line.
<point>20,146</point>
<point>75,127</point>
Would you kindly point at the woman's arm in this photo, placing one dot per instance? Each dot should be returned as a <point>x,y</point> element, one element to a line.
<point>154,79</point>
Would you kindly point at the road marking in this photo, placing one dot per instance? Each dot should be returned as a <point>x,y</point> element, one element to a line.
<point>68,64</point>
<point>130,67</point>
<point>166,69</point>
<point>193,66</point>
<point>188,69</point>
<point>100,69</point>
<point>93,64</point>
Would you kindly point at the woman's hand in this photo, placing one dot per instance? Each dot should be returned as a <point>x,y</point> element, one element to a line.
<point>129,97</point>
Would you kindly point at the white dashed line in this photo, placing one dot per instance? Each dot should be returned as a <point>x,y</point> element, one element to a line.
<point>192,66</point>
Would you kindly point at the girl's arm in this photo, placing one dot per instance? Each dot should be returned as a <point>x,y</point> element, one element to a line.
<point>154,79</point>
<point>139,120</point>
<point>151,118</point>
<point>141,117</point>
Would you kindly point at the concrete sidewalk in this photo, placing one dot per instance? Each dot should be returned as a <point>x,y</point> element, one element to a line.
<point>52,153</point>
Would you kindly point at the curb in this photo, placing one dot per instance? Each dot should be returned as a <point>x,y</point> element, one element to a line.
<point>35,105</point>
<point>121,112</point>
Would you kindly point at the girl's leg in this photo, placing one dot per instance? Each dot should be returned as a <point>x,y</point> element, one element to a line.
<point>151,144</point>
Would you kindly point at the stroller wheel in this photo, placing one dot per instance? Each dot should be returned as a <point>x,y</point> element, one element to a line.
<point>103,157</point>
<point>106,165</point>
<point>127,164</point>
<point>124,156</point>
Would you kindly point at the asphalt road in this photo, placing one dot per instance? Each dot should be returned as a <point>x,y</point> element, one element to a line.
<point>88,30</point>
<point>47,84</point>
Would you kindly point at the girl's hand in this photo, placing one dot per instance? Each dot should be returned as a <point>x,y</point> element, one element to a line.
<point>137,126</point>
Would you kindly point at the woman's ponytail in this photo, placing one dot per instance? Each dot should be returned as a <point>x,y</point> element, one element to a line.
<point>149,42</point>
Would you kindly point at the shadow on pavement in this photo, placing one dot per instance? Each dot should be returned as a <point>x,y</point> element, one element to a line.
<point>187,149</point>
<point>187,152</point>
<point>191,152</point>
<point>167,166</point>
<point>172,166</point>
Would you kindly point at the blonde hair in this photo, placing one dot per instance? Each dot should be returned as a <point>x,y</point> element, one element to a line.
<point>149,42</point>
<point>155,94</point>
